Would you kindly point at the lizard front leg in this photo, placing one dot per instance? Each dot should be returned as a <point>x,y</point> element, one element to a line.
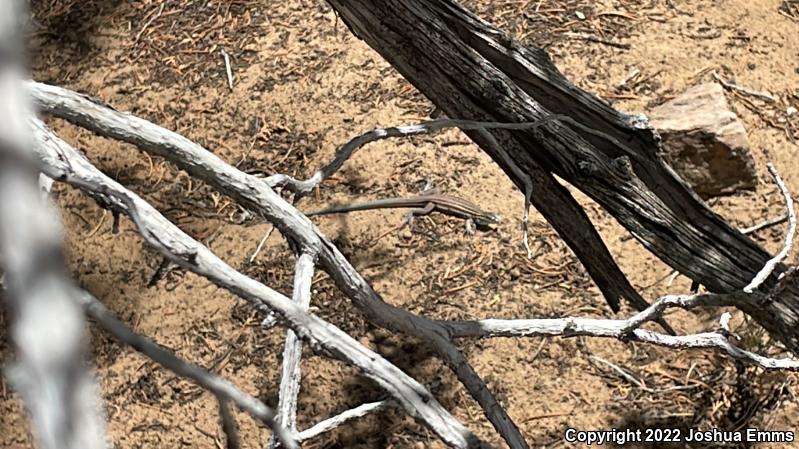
<point>469,226</point>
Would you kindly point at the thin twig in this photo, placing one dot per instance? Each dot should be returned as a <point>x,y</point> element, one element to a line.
<point>228,70</point>
<point>767,269</point>
<point>149,22</point>
<point>621,372</point>
<point>336,421</point>
<point>261,243</point>
<point>752,93</point>
<point>221,388</point>
<point>598,40</point>
<point>765,224</point>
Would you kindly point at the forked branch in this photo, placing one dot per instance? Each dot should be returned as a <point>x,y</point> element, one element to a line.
<point>772,263</point>
<point>256,194</point>
<point>221,388</point>
<point>64,163</point>
<point>629,330</point>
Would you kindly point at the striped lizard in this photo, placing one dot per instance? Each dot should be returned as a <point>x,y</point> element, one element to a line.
<point>422,205</point>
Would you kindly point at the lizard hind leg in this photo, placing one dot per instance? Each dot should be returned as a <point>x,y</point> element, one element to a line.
<point>413,213</point>
<point>408,221</point>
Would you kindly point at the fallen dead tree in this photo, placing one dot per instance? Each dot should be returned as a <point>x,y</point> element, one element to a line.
<point>500,135</point>
<point>65,164</point>
<point>472,70</point>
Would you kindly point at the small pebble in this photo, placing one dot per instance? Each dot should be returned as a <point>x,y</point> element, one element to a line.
<point>579,15</point>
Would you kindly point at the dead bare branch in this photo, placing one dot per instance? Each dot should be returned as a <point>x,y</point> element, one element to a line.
<point>221,388</point>
<point>261,244</point>
<point>256,194</point>
<point>343,154</point>
<point>752,93</point>
<point>764,224</point>
<point>629,329</point>
<point>291,375</point>
<point>64,163</point>
<point>772,263</point>
<point>335,421</point>
<point>625,330</point>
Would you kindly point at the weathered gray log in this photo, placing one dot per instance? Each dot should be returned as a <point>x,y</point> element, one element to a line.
<point>471,70</point>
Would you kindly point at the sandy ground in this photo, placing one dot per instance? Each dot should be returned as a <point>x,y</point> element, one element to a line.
<point>302,86</point>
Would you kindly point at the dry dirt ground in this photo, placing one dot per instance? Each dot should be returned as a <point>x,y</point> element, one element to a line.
<point>302,86</point>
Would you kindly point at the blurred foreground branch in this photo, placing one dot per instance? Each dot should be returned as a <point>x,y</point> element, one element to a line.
<point>47,330</point>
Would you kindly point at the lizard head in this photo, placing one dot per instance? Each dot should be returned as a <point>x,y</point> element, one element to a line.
<point>487,221</point>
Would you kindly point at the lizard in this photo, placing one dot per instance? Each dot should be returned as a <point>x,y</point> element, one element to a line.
<point>422,205</point>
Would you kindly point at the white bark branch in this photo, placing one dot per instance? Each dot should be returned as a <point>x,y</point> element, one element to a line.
<point>628,330</point>
<point>765,224</point>
<point>64,163</point>
<point>336,421</point>
<point>47,331</point>
<point>772,263</point>
<point>291,376</point>
<point>256,194</point>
